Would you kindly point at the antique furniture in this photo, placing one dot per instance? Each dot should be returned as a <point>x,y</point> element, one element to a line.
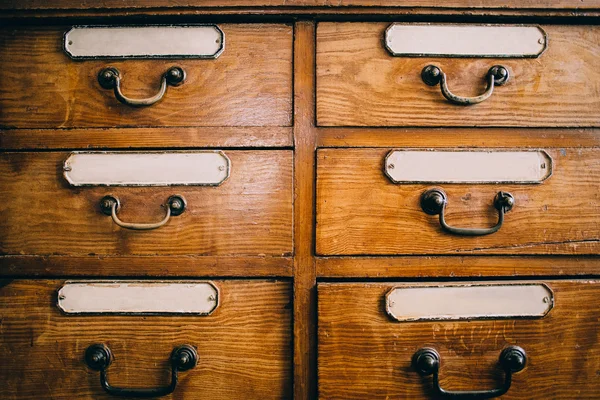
<point>300,199</point>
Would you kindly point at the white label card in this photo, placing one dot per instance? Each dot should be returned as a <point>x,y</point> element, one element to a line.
<point>184,168</point>
<point>138,297</point>
<point>469,301</point>
<point>169,41</point>
<point>465,166</point>
<point>455,40</point>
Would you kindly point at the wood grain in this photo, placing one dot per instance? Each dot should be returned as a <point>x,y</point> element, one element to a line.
<point>305,296</point>
<point>364,354</point>
<point>455,266</point>
<point>248,85</point>
<point>142,266</point>
<point>360,211</point>
<point>73,4</point>
<point>243,347</point>
<point>250,214</point>
<point>360,84</point>
<point>91,138</point>
<point>457,137</point>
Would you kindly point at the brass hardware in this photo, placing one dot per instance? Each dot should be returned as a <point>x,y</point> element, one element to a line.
<point>426,361</point>
<point>496,76</point>
<point>110,206</point>
<point>110,78</point>
<point>434,201</point>
<point>99,357</point>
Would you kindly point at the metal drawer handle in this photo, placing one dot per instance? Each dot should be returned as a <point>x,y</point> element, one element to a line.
<point>433,202</point>
<point>99,357</point>
<point>496,76</point>
<point>110,78</point>
<point>110,206</point>
<point>427,362</point>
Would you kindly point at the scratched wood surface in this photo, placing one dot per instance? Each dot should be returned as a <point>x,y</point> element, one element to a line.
<point>244,347</point>
<point>250,84</point>
<point>73,4</point>
<point>249,214</point>
<point>360,84</point>
<point>360,211</point>
<point>364,354</point>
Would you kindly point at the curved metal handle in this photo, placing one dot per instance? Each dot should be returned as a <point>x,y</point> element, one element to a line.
<point>99,357</point>
<point>433,202</point>
<point>496,76</point>
<point>110,78</point>
<point>427,362</point>
<point>110,206</point>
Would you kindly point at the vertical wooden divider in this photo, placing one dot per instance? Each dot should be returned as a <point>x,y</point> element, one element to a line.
<point>305,296</point>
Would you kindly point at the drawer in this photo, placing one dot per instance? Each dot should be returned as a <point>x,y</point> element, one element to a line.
<point>248,214</point>
<point>361,211</point>
<point>243,347</point>
<point>360,83</point>
<point>248,84</point>
<point>365,353</point>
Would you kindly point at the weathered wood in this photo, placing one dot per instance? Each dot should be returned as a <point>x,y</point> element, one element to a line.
<point>243,346</point>
<point>140,266</point>
<point>360,211</point>
<point>455,266</point>
<point>458,137</point>
<point>360,84</point>
<point>90,138</point>
<point>248,85</point>
<point>364,354</point>
<point>250,214</point>
<point>305,302</point>
<point>73,4</point>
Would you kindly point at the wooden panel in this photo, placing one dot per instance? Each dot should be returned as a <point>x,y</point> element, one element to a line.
<point>360,84</point>
<point>364,354</point>
<point>359,211</point>
<point>243,347</point>
<point>151,265</point>
<point>457,137</point>
<point>456,266</point>
<point>305,290</point>
<point>90,138</point>
<point>74,4</point>
<point>248,85</point>
<point>249,214</point>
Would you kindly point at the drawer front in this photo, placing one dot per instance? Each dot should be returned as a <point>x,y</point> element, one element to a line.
<point>248,84</point>
<point>359,83</point>
<point>361,211</point>
<point>364,353</point>
<point>250,213</point>
<point>243,347</point>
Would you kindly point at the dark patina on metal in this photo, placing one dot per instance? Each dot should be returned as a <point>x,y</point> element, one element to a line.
<point>434,201</point>
<point>426,361</point>
<point>99,357</point>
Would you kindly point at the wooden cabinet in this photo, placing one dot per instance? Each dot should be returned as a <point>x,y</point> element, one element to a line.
<point>243,346</point>
<point>225,200</point>
<point>363,352</point>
